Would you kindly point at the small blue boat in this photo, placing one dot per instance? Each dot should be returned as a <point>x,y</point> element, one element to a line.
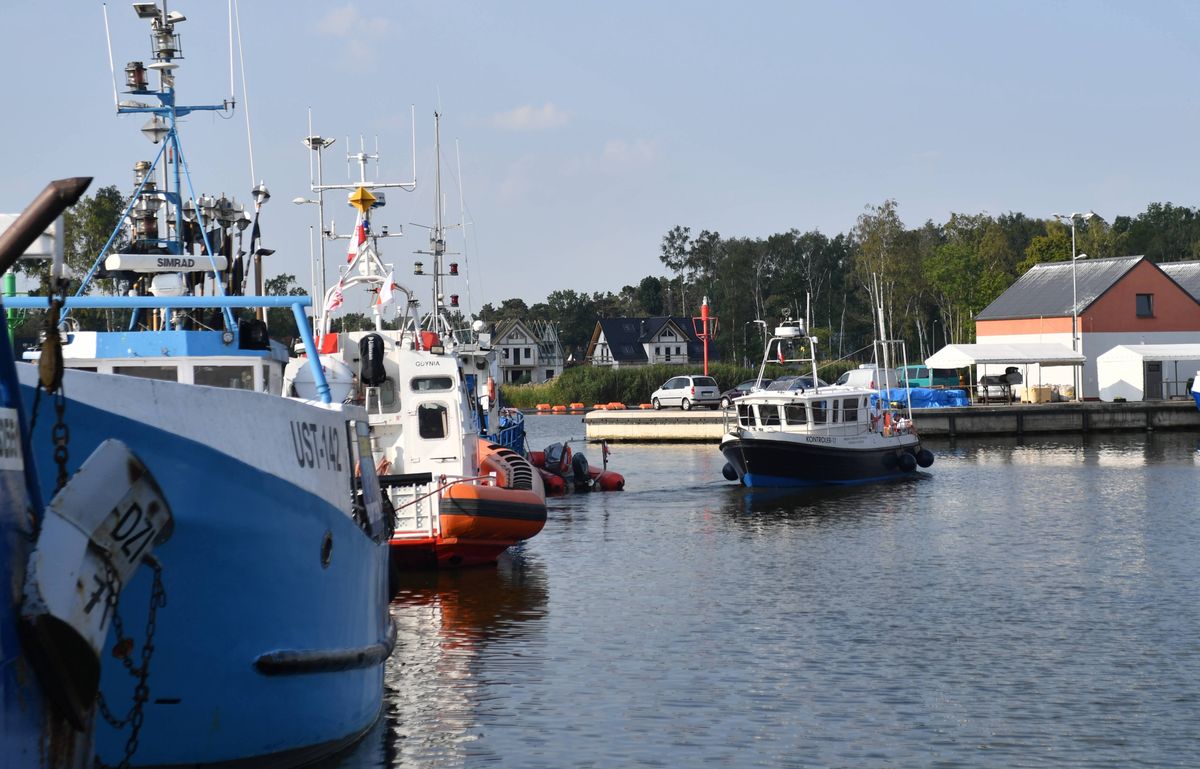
<point>260,636</point>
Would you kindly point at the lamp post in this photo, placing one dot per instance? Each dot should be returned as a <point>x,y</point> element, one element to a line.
<point>1075,378</point>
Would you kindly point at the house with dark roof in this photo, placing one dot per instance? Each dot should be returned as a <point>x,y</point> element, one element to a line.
<point>529,351</point>
<point>1125,300</point>
<point>644,341</point>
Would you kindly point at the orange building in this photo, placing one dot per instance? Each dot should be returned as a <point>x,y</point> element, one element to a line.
<point>1124,300</point>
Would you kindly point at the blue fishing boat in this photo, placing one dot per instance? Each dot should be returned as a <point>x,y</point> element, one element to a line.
<point>260,637</point>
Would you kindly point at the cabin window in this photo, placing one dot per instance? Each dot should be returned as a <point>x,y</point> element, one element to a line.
<point>850,410</point>
<point>795,414</point>
<point>229,377</point>
<point>165,373</point>
<point>768,416</point>
<point>1145,305</point>
<point>266,378</point>
<point>820,412</point>
<point>745,415</point>
<point>427,383</point>
<point>433,420</point>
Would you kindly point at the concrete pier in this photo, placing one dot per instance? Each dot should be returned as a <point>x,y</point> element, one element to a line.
<point>1015,419</point>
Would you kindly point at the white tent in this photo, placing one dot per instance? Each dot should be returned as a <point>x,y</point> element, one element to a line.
<point>1037,354</point>
<point>1139,372</point>
<point>963,355</point>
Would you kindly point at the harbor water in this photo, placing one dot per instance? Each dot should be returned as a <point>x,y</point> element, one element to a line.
<point>1026,603</point>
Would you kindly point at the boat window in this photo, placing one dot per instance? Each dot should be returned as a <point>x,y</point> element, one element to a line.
<point>230,377</point>
<point>850,410</point>
<point>266,378</point>
<point>820,412</point>
<point>795,413</point>
<point>165,373</point>
<point>768,416</point>
<point>833,413</point>
<point>432,420</point>
<point>745,415</point>
<point>425,383</point>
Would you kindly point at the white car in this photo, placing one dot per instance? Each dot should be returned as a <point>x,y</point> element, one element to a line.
<point>687,391</point>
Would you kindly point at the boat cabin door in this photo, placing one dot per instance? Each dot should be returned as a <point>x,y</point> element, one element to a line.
<point>433,435</point>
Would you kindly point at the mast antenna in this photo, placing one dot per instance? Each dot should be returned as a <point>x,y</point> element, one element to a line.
<point>245,93</point>
<point>111,68</point>
<point>462,218</point>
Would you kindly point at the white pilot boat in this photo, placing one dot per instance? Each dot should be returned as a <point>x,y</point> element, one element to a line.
<point>820,434</point>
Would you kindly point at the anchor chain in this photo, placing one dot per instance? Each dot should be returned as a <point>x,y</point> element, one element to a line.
<point>123,648</point>
<point>50,376</point>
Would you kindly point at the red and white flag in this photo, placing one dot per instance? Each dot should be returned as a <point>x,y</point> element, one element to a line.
<point>358,238</point>
<point>386,291</point>
<point>335,299</point>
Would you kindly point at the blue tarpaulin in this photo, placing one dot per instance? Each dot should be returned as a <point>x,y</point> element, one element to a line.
<point>924,397</point>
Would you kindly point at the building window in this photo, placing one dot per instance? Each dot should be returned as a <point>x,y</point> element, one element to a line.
<point>679,351</point>
<point>528,353</point>
<point>658,351</point>
<point>506,353</point>
<point>1145,305</point>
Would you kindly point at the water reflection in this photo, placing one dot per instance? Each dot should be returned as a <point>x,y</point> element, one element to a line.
<point>437,684</point>
<point>1027,601</point>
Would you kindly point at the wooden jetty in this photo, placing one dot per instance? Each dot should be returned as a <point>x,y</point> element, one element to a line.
<point>1015,419</point>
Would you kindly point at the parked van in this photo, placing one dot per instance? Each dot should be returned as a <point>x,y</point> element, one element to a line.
<point>864,376</point>
<point>923,376</point>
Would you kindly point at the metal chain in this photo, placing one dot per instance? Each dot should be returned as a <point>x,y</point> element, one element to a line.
<point>122,649</point>
<point>61,435</point>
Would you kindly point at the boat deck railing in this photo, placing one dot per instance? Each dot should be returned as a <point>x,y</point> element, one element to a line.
<point>168,303</point>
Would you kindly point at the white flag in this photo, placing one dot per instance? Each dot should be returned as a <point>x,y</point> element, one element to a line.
<point>386,291</point>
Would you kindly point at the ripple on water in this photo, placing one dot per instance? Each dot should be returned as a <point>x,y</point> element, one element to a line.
<point>1025,604</point>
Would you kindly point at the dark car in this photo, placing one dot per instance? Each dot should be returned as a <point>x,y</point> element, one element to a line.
<point>740,390</point>
<point>796,382</point>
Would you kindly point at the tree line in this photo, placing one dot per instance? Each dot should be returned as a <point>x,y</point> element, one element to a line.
<point>932,279</point>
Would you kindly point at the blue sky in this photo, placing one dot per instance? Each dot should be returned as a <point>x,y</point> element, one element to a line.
<point>587,130</point>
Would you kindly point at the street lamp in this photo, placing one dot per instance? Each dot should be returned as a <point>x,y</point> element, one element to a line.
<point>1074,293</point>
<point>745,326</point>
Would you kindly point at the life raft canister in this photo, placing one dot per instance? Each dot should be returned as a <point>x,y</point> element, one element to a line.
<point>370,367</point>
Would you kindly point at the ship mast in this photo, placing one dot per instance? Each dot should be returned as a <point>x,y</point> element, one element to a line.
<point>435,319</point>
<point>165,219</point>
<point>363,265</point>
